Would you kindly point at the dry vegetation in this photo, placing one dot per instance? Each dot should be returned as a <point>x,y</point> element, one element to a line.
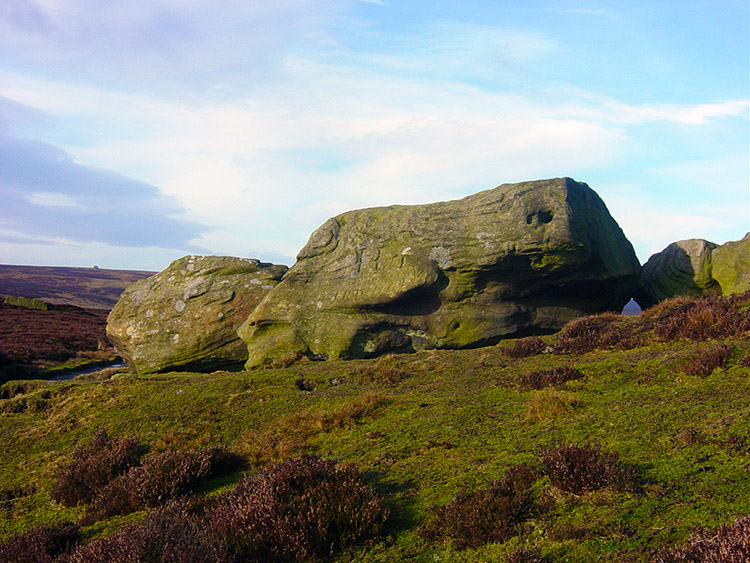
<point>31,339</point>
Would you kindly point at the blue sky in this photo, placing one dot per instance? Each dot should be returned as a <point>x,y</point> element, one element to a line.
<point>132,133</point>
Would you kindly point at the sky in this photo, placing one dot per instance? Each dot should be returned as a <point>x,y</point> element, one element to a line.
<point>133,133</point>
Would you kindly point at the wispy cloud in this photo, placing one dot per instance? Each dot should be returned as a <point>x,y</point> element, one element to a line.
<point>242,126</point>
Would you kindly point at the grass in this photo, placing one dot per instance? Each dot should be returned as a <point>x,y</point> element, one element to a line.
<point>426,427</point>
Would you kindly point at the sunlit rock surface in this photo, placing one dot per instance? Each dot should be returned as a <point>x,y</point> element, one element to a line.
<point>187,316</point>
<point>517,259</point>
<point>695,267</point>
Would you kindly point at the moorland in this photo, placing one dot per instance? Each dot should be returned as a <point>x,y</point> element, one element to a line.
<point>62,328</point>
<point>87,288</point>
<point>616,439</point>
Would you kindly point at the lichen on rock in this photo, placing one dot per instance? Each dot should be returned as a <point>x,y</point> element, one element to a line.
<point>516,259</point>
<point>695,267</point>
<point>187,316</point>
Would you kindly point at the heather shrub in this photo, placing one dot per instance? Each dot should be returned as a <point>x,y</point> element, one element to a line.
<point>525,347</point>
<point>526,555</point>
<point>41,545</point>
<point>304,384</point>
<point>28,335</point>
<point>590,333</point>
<point>161,478</point>
<point>285,360</point>
<point>700,318</point>
<point>175,533</point>
<point>549,377</point>
<point>15,388</point>
<point>491,514</point>
<point>690,436</point>
<point>386,370</point>
<point>93,466</point>
<point>581,468</point>
<point>707,361</point>
<point>729,543</point>
<point>745,362</point>
<point>296,510</point>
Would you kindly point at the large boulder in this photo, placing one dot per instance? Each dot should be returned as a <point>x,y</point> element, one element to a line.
<point>186,317</point>
<point>695,267</point>
<point>518,259</point>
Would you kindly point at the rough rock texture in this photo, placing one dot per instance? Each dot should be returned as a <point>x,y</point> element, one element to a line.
<point>517,259</point>
<point>187,315</point>
<point>682,268</point>
<point>731,266</point>
<point>695,267</point>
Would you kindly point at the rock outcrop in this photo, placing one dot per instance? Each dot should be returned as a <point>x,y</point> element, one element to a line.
<point>187,316</point>
<point>517,259</point>
<point>695,267</point>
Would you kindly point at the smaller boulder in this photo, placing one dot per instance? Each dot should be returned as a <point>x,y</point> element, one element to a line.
<point>186,317</point>
<point>731,266</point>
<point>695,267</point>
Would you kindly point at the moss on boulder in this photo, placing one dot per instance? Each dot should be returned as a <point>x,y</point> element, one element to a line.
<point>187,316</point>
<point>695,267</point>
<point>516,259</point>
<point>731,266</point>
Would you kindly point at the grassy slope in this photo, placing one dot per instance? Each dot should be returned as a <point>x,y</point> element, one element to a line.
<point>424,426</point>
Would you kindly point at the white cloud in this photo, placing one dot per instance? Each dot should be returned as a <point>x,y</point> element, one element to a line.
<point>696,114</point>
<point>51,199</point>
<point>300,134</point>
<point>250,166</point>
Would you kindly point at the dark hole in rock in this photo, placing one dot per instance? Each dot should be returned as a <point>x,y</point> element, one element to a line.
<point>542,218</point>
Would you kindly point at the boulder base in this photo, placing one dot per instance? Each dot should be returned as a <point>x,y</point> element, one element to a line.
<point>187,316</point>
<point>518,259</point>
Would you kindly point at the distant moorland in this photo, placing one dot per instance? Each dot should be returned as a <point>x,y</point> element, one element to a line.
<point>89,288</point>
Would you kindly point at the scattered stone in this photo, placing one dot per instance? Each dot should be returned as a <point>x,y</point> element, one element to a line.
<point>186,317</point>
<point>517,259</point>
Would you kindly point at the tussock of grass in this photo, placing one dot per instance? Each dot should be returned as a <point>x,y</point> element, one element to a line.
<point>290,436</point>
<point>549,405</point>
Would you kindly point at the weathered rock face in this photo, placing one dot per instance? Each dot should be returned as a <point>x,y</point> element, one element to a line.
<point>187,315</point>
<point>695,267</point>
<point>516,259</point>
<point>731,266</point>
